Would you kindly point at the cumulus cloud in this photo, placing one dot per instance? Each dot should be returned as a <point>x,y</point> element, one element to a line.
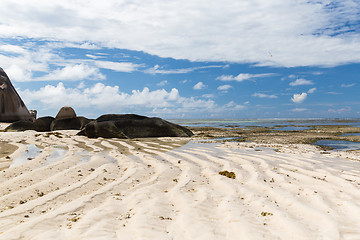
<point>299,98</point>
<point>243,76</point>
<point>307,32</point>
<point>301,81</point>
<point>199,86</point>
<point>105,99</point>
<point>262,95</point>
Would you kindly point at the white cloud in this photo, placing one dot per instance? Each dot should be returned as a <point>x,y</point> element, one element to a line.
<point>159,70</point>
<point>118,66</point>
<point>301,81</point>
<point>81,85</point>
<point>12,48</point>
<point>299,98</point>
<point>110,99</point>
<point>243,76</point>
<point>307,32</point>
<point>199,86</point>
<point>208,96</point>
<point>162,83</point>
<point>224,88</point>
<point>299,110</point>
<point>262,95</point>
<point>75,72</point>
<point>348,85</point>
<point>312,90</point>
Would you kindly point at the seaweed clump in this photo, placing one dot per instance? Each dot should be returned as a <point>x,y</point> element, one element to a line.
<point>228,174</point>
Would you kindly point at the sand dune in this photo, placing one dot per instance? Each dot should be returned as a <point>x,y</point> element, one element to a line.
<point>78,188</point>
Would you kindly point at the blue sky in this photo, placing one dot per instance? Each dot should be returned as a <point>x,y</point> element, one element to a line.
<point>185,59</point>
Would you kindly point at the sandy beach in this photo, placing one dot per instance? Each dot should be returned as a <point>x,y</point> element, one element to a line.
<point>62,186</point>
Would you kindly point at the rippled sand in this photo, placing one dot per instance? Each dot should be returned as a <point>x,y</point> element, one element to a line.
<point>73,187</point>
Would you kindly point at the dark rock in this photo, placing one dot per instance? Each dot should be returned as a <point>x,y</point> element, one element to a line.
<point>20,126</point>
<point>43,124</point>
<point>106,129</point>
<point>114,117</point>
<point>133,126</point>
<point>40,125</point>
<point>74,123</point>
<point>12,108</point>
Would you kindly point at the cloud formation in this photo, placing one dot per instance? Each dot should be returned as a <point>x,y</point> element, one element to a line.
<point>307,33</point>
<point>103,99</point>
<point>299,98</point>
<point>243,76</point>
<point>199,86</point>
<point>224,88</point>
<point>301,81</point>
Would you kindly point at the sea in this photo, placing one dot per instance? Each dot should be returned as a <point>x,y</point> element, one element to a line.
<point>280,124</point>
<point>243,123</point>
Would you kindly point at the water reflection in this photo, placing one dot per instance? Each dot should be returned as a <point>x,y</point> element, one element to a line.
<point>30,153</point>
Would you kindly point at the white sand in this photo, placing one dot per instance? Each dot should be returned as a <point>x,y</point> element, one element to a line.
<point>80,188</point>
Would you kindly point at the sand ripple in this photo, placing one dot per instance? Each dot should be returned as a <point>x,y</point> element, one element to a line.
<point>160,189</point>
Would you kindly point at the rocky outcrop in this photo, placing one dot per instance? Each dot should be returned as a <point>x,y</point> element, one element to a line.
<point>66,112</point>
<point>74,123</point>
<point>41,125</point>
<point>133,126</point>
<point>12,108</point>
<point>106,126</point>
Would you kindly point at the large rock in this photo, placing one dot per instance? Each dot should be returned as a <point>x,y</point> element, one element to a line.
<point>12,108</point>
<point>20,126</point>
<point>133,126</point>
<point>66,112</point>
<point>41,125</point>
<point>74,123</point>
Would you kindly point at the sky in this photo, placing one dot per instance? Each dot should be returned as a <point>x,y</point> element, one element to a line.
<point>185,59</point>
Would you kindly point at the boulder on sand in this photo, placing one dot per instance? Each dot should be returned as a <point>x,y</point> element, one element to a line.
<point>132,126</point>
<point>41,125</point>
<point>74,123</point>
<point>66,112</point>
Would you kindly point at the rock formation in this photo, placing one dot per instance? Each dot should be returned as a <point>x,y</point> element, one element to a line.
<point>66,112</point>
<point>12,108</point>
<point>133,126</point>
<point>106,126</point>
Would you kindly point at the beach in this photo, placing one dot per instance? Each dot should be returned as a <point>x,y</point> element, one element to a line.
<point>59,185</point>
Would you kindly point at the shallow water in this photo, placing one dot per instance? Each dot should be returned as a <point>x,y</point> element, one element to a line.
<point>339,144</point>
<point>351,134</point>
<point>30,153</point>
<point>292,128</point>
<point>233,123</point>
<point>57,155</point>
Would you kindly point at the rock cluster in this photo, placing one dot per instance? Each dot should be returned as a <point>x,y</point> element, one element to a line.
<point>106,126</point>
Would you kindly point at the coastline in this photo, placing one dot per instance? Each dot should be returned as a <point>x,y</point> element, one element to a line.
<point>79,188</point>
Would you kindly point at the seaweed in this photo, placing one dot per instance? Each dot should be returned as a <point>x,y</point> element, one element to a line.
<point>228,174</point>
